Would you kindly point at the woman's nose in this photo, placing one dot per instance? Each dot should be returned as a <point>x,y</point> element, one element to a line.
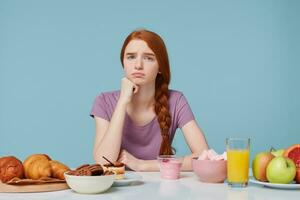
<point>138,64</point>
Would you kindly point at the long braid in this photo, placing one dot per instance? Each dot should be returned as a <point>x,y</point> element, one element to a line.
<point>163,115</point>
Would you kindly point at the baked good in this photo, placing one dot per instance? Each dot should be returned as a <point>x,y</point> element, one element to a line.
<point>58,169</point>
<point>118,168</point>
<point>87,170</point>
<point>37,166</point>
<point>10,167</point>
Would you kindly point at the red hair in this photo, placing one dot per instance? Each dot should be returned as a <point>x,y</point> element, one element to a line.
<point>157,45</point>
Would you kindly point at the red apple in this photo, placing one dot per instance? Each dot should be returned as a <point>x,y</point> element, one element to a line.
<point>259,165</point>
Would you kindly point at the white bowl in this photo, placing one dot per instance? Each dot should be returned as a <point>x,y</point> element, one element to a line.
<point>89,184</point>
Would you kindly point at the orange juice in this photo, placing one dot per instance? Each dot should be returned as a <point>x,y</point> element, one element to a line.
<point>237,165</point>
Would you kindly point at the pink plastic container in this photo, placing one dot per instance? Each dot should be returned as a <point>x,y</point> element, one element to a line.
<point>170,166</point>
<point>210,171</point>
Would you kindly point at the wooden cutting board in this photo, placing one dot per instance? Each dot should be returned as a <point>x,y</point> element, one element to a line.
<point>33,188</point>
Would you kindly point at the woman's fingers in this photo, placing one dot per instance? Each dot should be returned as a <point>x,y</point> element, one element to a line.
<point>135,89</point>
<point>123,157</point>
<point>128,88</point>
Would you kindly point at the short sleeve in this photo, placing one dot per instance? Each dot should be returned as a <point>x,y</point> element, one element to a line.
<point>183,112</point>
<point>100,107</point>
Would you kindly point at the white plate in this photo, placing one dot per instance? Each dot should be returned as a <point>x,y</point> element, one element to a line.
<point>275,185</point>
<point>129,178</point>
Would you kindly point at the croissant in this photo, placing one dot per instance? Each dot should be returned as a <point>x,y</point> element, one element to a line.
<point>37,166</point>
<point>58,169</point>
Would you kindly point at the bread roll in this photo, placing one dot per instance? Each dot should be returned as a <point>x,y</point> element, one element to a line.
<point>10,167</point>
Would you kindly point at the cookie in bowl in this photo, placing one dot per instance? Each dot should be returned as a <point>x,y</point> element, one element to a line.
<point>89,179</point>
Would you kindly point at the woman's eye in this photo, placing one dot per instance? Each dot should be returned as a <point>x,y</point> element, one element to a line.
<point>130,57</point>
<point>148,58</point>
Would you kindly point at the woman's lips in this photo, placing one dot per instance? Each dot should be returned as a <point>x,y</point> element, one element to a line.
<point>138,74</point>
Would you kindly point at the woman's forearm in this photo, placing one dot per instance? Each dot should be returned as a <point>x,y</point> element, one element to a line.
<point>153,165</point>
<point>111,142</point>
<point>187,162</point>
<point>149,166</point>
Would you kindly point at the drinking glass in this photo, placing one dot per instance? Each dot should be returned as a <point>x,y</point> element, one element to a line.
<point>238,152</point>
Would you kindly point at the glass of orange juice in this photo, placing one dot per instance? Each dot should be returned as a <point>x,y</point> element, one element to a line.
<point>238,152</point>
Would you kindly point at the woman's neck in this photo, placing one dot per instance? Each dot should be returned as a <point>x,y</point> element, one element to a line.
<point>144,98</point>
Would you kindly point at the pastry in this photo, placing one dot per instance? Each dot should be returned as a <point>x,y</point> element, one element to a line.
<point>58,169</point>
<point>10,167</point>
<point>37,166</point>
<point>118,168</point>
<point>87,170</point>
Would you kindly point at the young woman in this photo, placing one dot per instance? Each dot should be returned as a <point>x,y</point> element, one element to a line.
<point>138,123</point>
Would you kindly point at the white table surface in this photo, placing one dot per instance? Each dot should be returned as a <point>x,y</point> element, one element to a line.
<point>188,187</point>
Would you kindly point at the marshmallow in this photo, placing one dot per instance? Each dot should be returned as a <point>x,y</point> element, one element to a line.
<point>212,155</point>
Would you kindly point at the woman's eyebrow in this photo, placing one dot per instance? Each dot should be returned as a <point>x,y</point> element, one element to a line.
<point>129,53</point>
<point>149,54</point>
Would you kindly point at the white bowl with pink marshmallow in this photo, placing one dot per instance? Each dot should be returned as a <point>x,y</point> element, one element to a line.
<point>210,167</point>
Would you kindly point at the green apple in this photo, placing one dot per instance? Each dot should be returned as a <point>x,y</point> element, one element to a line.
<point>278,152</point>
<point>259,165</point>
<point>281,170</point>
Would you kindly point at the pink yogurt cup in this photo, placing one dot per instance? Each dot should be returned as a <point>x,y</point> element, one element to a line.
<point>169,166</point>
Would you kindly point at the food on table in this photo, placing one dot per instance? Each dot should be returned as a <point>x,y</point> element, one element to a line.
<point>277,152</point>
<point>297,177</point>
<point>36,169</point>
<point>293,152</point>
<point>89,179</point>
<point>37,166</point>
<point>58,169</point>
<point>210,167</point>
<point>10,167</point>
<point>169,166</point>
<point>282,167</point>
<point>212,155</point>
<point>259,165</point>
<point>89,170</point>
<point>281,170</point>
<point>116,167</point>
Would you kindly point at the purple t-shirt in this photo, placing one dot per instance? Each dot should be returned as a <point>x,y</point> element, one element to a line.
<point>144,142</point>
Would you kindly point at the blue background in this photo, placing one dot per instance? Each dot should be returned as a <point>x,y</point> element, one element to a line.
<point>237,62</point>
